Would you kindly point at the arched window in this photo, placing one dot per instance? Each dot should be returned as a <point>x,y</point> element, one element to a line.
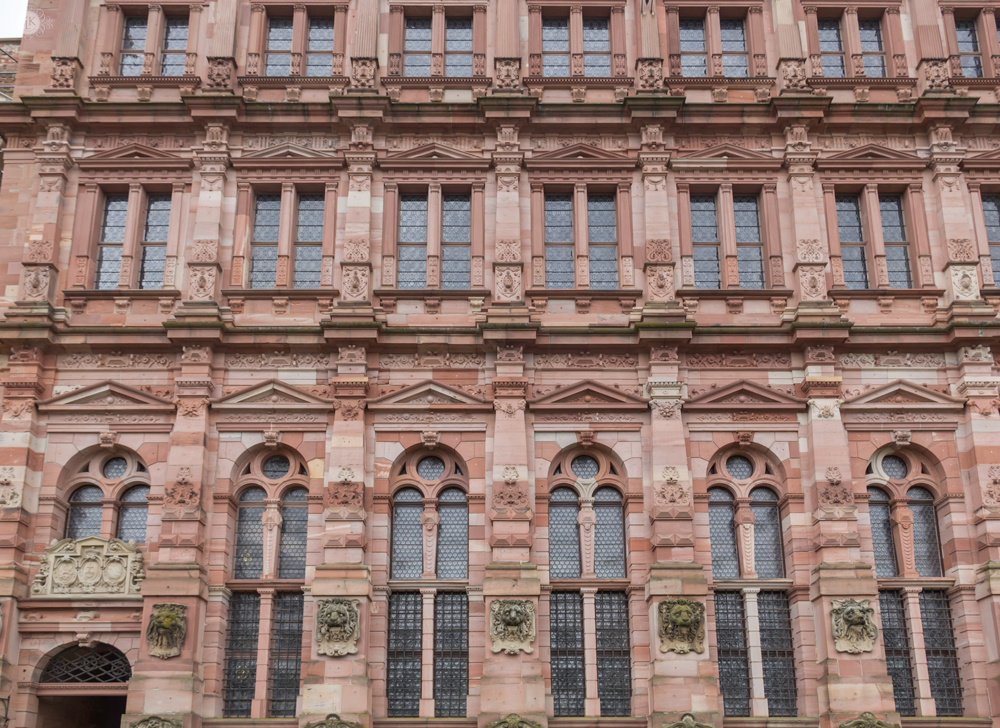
<point>564,534</point>
<point>78,664</point>
<point>609,534</point>
<point>767,549</point>
<point>294,531</point>
<point>453,535</point>
<point>407,539</point>
<point>722,530</point>
<point>85,512</point>
<point>133,514</point>
<point>926,545</point>
<point>250,534</point>
<point>885,549</point>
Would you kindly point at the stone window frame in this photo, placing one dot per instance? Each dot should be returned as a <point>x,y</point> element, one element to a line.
<point>887,11</point>
<point>575,11</point>
<point>438,12</point>
<point>752,14</point>
<point>92,474</point>
<point>252,63</point>
<point>989,43</point>
<point>982,177</point>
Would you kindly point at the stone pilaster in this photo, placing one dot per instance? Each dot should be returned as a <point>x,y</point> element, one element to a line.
<point>509,279</point>
<point>659,266</point>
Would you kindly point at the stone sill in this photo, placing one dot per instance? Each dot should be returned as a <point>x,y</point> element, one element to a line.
<point>761,584</point>
<point>575,293</point>
<point>294,293</point>
<point>583,722</point>
<point>285,81</point>
<point>249,722</point>
<point>752,722</point>
<point>417,722</point>
<point>588,81</point>
<point>734,293</point>
<point>931,722</point>
<point>577,584</point>
<point>904,582</point>
<point>422,293</point>
<point>157,81</point>
<point>439,584</point>
<point>92,294</point>
<point>713,81</point>
<point>436,81</point>
<point>871,293</point>
<point>870,81</point>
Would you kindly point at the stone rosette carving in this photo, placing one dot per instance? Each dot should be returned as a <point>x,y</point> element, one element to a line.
<point>166,631</point>
<point>156,721</point>
<point>825,409</point>
<point>681,626</point>
<point>854,629</point>
<point>91,566</point>
<point>867,720</point>
<point>512,625</point>
<point>338,626</point>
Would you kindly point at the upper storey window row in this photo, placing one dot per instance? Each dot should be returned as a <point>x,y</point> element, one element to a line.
<point>435,41</point>
<point>151,43</point>
<point>855,42</point>
<point>144,236</point>
<point>286,41</point>
<point>726,41</point>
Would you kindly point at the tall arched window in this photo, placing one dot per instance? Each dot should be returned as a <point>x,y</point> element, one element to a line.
<point>926,544</point>
<point>407,538</point>
<point>767,547</point>
<point>453,535</point>
<point>722,531</point>
<point>250,534</point>
<point>885,549</point>
<point>564,534</point>
<point>133,514</point>
<point>609,534</point>
<point>294,531</point>
<point>85,512</point>
<point>118,476</point>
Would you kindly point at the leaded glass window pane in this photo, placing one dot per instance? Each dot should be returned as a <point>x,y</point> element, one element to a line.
<point>831,47</point>
<point>157,225</point>
<point>453,536</point>
<point>451,654</point>
<point>132,517</point>
<point>319,47</point>
<point>855,266</point>
<point>851,231</point>
<point>968,48</point>
<point>749,259</point>
<point>706,267</point>
<point>403,658</point>
<point>693,48</point>
<point>430,468</point>
<point>926,545</point>
<point>109,264</point>
<point>751,267</point>
<point>704,226</point>
<point>558,266</point>
<point>267,218</point>
<point>278,55</point>
<point>614,657</point>
<point>584,466</point>
<point>885,550</point>
<point>458,47</point>
<point>896,640</point>
<point>555,47</point>
<point>285,672</point>
<point>596,47</point>
<point>154,262</point>
<point>767,547</point>
<point>564,535</point>
<point>115,214</point>
<point>241,655</point>
<point>308,266</point>
<point>609,535</point>
<point>413,241</point>
<point>777,654</point>
<point>893,231</point>
<point>559,229</point>
<point>602,229</point>
<point>722,530</point>
<point>85,512</point>
<point>734,662</point>
<point>412,266</point>
<point>567,660</point>
<point>871,47</point>
<point>249,560</point>
<point>309,221</point>
<point>455,228</point>
<point>897,261</point>
<point>991,213</point>
<point>407,538</point>
<point>734,48</point>
<point>294,532</point>
<point>133,46</point>
<point>942,657</point>
<point>603,267</point>
<point>263,266</point>
<point>417,47</point>
<point>739,467</point>
<point>175,37</point>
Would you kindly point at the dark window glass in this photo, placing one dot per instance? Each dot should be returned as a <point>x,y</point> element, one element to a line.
<point>614,658</point>
<point>609,534</point>
<point>968,48</point>
<point>430,468</point>
<point>767,548</point>
<point>407,538</point>
<point>286,654</point>
<point>417,47</point>
<point>85,512</point>
<point>294,532</point>
<point>722,530</point>
<point>734,48</point>
<point>896,639</point>
<point>458,48</point>
<point>602,231</point>
<point>154,261</point>
<point>564,535</point>
<point>831,47</point>
<point>319,47</point>
<point>453,535</point>
<point>897,257</point>
<point>404,655</point>
<point>895,467</point>
<point>693,47</point>
<point>175,38</point>
<point>79,664</point>
<point>115,468</point>
<point>777,653</point>
<point>132,517</point>
<point>942,657</point>
<point>455,237</point>
<point>559,241</point>
<point>596,47</point>
<point>109,253</point>
<point>584,466</point>
<point>749,253</point>
<point>991,212</point>
<point>278,54</point>
<point>276,467</point>
<point>241,655</point>
<point>555,47</point>
<point>567,661</point>
<point>739,467</point>
<point>250,535</point>
<point>309,229</point>
<point>852,242</point>
<point>264,258</point>
<point>872,50</point>
<point>451,654</point>
<point>133,46</point>
<point>413,241</point>
<point>734,661</point>
<point>885,550</point>
<point>926,545</point>
<point>704,229</point>
<point>155,230</point>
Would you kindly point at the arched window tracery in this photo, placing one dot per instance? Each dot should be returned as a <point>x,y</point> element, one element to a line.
<point>112,486</point>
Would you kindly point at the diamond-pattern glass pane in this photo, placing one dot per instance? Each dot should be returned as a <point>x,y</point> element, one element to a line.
<point>991,211</point>
<point>85,520</point>
<point>407,538</point>
<point>294,534</point>
<point>455,267</point>
<point>585,466</point>
<point>285,672</point>
<point>115,468</point>
<point>87,494</point>
<point>871,47</point>
<point>453,536</point>
<point>263,266</point>
<point>451,654</point>
<point>109,265</point>
<point>253,495</point>
<point>704,225</point>
<point>241,655</point>
<point>614,657</point>
<point>456,218</point>
<point>722,530</point>
<point>558,219</point>
<point>154,261</point>
<point>777,654</point>
<point>309,223</point>
<point>308,266</point>
<point>609,536</point>
<point>319,47</point>
<point>751,267</point>
<point>113,224</point>
<point>157,224</point>
<point>706,266</point>
<point>430,468</point>
<point>249,561</point>
<point>133,39</point>
<point>413,219</point>
<point>458,47</point>
<point>175,37</point>
<point>885,550</point>
<point>412,266</point>
<point>849,219</point>
<point>555,47</point>
<point>942,657</point>
<point>734,663</point>
<point>855,266</point>
<point>564,535</point>
<point>968,48</point>
<point>99,664</point>
<point>276,466</point>
<point>995,263</point>
<point>895,467</point>
<point>601,219</point>
<point>832,47</point>
<point>132,517</point>
<point>417,47</point>
<point>559,266</point>
<point>734,48</point>
<point>897,261</point>
<point>567,660</point>
<point>767,546</point>
<point>267,218</point>
<point>172,64</point>
<point>596,47</point>
<point>278,58</point>
<point>896,641</point>
<point>747,219</point>
<point>926,545</point>
<point>693,50</point>
<point>739,467</point>
<point>403,658</point>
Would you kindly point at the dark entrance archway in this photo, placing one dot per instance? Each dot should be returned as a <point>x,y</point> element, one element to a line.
<point>84,687</point>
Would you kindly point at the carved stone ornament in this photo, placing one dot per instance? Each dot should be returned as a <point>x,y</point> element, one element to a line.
<point>183,492</point>
<point>854,629</point>
<point>508,73</point>
<point>333,721</point>
<point>507,493</point>
<point>512,625</point>
<point>649,74</point>
<point>810,251</point>
<point>681,626</point>
<point>508,283</point>
<point>36,282</point>
<point>513,720</point>
<point>202,285</point>
<point>220,73</point>
<point>687,721</point>
<point>156,721</point>
<point>363,72</point>
<point>964,283</point>
<point>10,496</point>
<point>962,250</point>
<point>91,566</point>
<point>166,630</point>
<point>338,627</point>
<point>867,720</point>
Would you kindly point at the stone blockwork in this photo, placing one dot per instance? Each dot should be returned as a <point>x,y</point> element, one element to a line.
<point>373,362</point>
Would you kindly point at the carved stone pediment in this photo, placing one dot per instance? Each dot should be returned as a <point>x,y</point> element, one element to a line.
<point>90,567</point>
<point>434,156</point>
<point>579,156</point>
<point>286,151</point>
<point>429,396</point>
<point>744,395</point>
<point>729,156</point>
<point>901,401</point>
<point>589,395</point>
<point>271,401</point>
<point>108,403</point>
<point>133,157</point>
<point>871,156</point>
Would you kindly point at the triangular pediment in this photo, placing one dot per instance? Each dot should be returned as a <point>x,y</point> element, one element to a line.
<point>131,151</point>
<point>986,160</point>
<point>104,396</point>
<point>902,394</point>
<point>591,395</point>
<point>578,151</point>
<point>428,395</point>
<point>744,395</point>
<point>434,152</point>
<point>287,150</point>
<point>728,151</point>
<point>134,157</point>
<point>871,156</point>
<point>271,394</point>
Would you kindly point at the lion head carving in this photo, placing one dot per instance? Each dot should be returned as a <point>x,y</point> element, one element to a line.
<point>682,626</point>
<point>512,625</point>
<point>166,630</point>
<point>337,626</point>
<point>854,629</point>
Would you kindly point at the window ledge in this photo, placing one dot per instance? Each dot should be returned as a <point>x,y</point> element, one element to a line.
<point>265,293</point>
<point>589,81</point>
<point>158,81</point>
<point>97,295</point>
<point>777,722</point>
<point>872,293</point>
<point>902,582</point>
<point>284,81</point>
<point>424,81</point>
<point>934,722</point>
<point>989,82</point>
<point>762,584</point>
<point>712,81</point>
<point>421,293</point>
<point>602,584</point>
<point>576,293</point>
<point>421,722</point>
<point>590,722</point>
<point>440,584</point>
<point>734,293</point>
<point>254,584</point>
<point>852,81</point>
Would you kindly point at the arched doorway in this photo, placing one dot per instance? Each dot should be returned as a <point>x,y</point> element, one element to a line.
<point>84,687</point>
